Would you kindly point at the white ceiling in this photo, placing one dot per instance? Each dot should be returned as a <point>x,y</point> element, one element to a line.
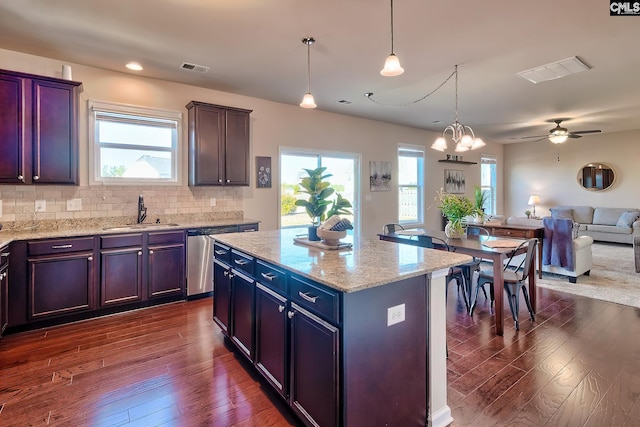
<point>254,48</point>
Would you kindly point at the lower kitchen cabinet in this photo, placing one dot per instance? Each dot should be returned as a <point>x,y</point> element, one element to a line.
<point>121,267</point>
<point>166,265</point>
<point>221,294</point>
<point>61,277</point>
<point>4,288</point>
<point>242,312</point>
<point>313,368</point>
<point>271,337</point>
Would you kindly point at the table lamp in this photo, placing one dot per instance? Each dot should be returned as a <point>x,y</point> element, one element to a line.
<point>533,201</point>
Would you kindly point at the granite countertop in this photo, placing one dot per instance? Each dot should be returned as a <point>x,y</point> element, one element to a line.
<point>7,236</point>
<point>369,263</point>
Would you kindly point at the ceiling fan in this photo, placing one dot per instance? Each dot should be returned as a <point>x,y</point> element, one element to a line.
<point>559,134</point>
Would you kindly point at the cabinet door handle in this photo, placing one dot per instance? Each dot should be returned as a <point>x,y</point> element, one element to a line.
<point>4,255</point>
<point>220,180</point>
<point>290,314</point>
<point>268,276</point>
<point>249,229</point>
<point>21,178</point>
<point>150,252</point>
<point>61,246</point>
<point>220,252</point>
<point>228,180</point>
<point>280,307</point>
<point>139,253</point>
<point>241,261</point>
<point>307,297</point>
<point>36,177</point>
<point>90,258</point>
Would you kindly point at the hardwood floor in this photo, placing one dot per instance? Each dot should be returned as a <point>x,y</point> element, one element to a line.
<point>577,365</point>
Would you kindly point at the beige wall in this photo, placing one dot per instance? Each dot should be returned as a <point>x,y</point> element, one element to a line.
<point>273,125</point>
<point>534,168</point>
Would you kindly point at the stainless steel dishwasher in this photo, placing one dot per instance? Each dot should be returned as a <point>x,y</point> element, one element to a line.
<point>200,259</point>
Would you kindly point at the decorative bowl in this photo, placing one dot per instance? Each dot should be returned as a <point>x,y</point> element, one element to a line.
<point>331,238</point>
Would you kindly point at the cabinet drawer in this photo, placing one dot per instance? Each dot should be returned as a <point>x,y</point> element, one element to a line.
<point>315,297</point>
<point>222,252</point>
<point>166,237</point>
<point>121,241</point>
<point>271,276</point>
<point>505,232</point>
<point>248,227</point>
<point>59,246</point>
<point>241,261</point>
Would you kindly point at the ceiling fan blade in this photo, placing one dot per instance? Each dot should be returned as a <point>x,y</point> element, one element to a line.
<point>574,135</point>
<point>536,136</point>
<point>581,132</point>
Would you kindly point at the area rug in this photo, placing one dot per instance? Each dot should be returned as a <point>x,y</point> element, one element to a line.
<point>613,277</point>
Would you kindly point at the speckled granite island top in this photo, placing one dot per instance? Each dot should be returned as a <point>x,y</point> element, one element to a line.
<point>370,262</point>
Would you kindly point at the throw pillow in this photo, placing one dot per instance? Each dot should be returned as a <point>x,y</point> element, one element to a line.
<point>628,218</point>
<point>562,213</point>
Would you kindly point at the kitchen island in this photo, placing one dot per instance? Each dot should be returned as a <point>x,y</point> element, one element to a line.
<point>351,337</point>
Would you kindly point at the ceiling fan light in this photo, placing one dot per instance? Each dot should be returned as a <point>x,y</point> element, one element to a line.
<point>308,101</point>
<point>558,138</point>
<point>392,66</point>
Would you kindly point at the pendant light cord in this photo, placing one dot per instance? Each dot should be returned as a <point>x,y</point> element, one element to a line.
<point>369,95</point>
<point>308,66</point>
<point>392,27</point>
<point>456,73</point>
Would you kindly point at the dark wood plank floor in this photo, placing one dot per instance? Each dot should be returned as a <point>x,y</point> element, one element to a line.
<point>577,365</point>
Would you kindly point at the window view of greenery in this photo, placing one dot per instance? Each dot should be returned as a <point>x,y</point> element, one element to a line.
<point>292,170</point>
<point>410,193</point>
<point>135,147</point>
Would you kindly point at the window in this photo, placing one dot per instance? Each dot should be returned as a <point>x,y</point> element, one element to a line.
<point>410,185</point>
<point>488,181</point>
<point>134,144</point>
<point>344,168</point>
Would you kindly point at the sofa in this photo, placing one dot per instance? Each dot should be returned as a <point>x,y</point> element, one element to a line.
<point>618,225</point>
<point>581,259</point>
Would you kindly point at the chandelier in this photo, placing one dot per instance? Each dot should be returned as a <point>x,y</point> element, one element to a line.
<point>462,135</point>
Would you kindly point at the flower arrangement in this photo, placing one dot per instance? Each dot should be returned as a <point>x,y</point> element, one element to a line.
<point>455,208</point>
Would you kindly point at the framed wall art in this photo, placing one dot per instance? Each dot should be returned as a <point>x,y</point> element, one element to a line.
<point>379,176</point>
<point>263,172</point>
<point>454,182</point>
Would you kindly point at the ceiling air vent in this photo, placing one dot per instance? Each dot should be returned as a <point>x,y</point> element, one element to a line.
<point>554,70</point>
<point>194,67</point>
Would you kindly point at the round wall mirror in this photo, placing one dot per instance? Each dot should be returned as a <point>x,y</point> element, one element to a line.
<point>596,177</point>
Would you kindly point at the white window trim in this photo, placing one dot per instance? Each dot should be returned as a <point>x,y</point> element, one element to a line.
<point>421,211</point>
<point>112,107</point>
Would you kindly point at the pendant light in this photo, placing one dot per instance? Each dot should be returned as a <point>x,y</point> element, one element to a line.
<point>308,101</point>
<point>462,135</point>
<point>392,63</point>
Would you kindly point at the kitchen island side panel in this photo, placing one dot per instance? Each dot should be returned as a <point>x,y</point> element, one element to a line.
<point>385,366</point>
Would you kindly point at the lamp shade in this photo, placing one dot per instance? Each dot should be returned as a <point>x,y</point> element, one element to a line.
<point>308,101</point>
<point>533,200</point>
<point>392,67</point>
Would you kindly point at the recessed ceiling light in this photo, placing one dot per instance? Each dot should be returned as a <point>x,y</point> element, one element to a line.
<point>344,101</point>
<point>134,66</point>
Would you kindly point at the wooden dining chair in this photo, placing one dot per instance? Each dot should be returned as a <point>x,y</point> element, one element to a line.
<point>515,279</point>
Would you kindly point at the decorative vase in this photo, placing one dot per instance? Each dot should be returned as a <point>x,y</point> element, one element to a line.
<point>313,233</point>
<point>478,219</point>
<point>452,231</point>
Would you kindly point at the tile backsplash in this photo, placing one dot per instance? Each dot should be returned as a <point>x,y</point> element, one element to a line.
<point>19,202</point>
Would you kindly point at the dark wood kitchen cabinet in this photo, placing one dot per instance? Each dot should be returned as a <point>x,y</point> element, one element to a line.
<point>221,295</point>
<point>166,264</point>
<point>61,277</point>
<point>121,267</point>
<point>219,143</point>
<point>38,129</point>
<point>4,288</point>
<point>272,337</point>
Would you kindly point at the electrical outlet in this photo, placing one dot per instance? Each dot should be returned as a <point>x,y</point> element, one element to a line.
<point>41,206</point>
<point>0,207</point>
<point>212,201</point>
<point>395,314</point>
<point>74,204</point>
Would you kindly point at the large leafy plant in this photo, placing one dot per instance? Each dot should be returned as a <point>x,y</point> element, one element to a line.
<point>480,198</point>
<point>319,192</point>
<point>455,208</point>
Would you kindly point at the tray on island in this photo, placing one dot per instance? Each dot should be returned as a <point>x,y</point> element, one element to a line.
<point>321,245</point>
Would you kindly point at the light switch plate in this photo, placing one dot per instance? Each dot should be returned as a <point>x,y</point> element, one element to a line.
<point>0,207</point>
<point>41,206</point>
<point>212,201</point>
<point>74,204</point>
<point>395,314</point>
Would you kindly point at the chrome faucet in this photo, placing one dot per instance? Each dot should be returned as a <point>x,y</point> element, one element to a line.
<point>142,210</point>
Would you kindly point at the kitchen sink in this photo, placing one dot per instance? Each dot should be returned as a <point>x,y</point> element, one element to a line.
<point>140,226</point>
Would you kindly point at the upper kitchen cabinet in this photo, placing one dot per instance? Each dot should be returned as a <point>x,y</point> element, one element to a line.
<point>218,145</point>
<point>38,129</point>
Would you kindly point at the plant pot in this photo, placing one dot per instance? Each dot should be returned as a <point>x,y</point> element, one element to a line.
<point>453,232</point>
<point>313,233</point>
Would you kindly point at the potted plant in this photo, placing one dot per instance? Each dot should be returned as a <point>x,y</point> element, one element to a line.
<point>480,198</point>
<point>455,208</point>
<point>528,213</point>
<point>318,202</point>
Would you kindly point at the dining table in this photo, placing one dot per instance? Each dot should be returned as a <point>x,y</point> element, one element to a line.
<point>494,249</point>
